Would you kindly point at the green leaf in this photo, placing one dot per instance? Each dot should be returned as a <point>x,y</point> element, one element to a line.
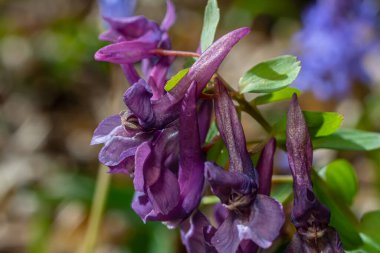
<point>175,79</point>
<point>349,139</point>
<point>282,192</point>
<point>341,178</point>
<point>271,75</point>
<point>210,22</point>
<point>218,153</point>
<point>369,246</point>
<point>319,124</point>
<point>276,96</point>
<point>212,132</point>
<point>342,218</point>
<point>370,225</point>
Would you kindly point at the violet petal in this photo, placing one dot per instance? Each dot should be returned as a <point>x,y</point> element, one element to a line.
<point>137,99</point>
<point>125,52</point>
<point>262,226</point>
<point>191,172</point>
<point>169,18</point>
<point>232,132</point>
<point>265,167</point>
<point>164,193</point>
<point>103,132</point>
<point>117,149</point>
<point>223,183</point>
<point>192,234</point>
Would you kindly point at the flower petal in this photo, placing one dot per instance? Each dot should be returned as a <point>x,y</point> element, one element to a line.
<point>300,156</point>
<point>266,220</point>
<point>170,16</point>
<point>125,52</point>
<point>204,118</point>
<point>226,238</point>
<point>192,234</point>
<point>131,28</point>
<point>141,205</point>
<point>191,172</point>
<point>265,167</point>
<point>298,145</point>
<point>119,8</point>
<point>137,99</point>
<point>105,129</point>
<point>164,193</point>
<point>223,183</point>
<point>231,131</point>
<point>117,149</point>
<point>125,167</point>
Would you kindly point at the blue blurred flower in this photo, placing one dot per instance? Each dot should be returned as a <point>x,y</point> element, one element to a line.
<point>117,8</point>
<point>336,37</point>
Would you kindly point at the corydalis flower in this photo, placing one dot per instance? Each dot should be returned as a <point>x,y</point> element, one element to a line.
<point>333,47</point>
<point>251,216</point>
<point>197,232</point>
<point>143,141</point>
<point>309,216</point>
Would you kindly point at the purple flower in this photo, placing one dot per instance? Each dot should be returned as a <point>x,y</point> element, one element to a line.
<point>309,216</point>
<point>143,141</point>
<point>134,39</point>
<point>197,232</point>
<point>336,37</point>
<point>117,8</point>
<point>251,216</point>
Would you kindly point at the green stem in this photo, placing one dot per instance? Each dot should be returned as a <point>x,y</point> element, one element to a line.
<point>282,179</point>
<point>102,182</point>
<point>97,209</point>
<point>253,112</point>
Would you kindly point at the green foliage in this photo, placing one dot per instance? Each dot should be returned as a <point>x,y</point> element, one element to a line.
<point>210,23</point>
<point>349,139</point>
<point>341,177</point>
<point>276,96</point>
<point>369,226</point>
<point>270,75</point>
<point>212,132</point>
<point>218,153</point>
<point>175,79</point>
<point>282,192</point>
<point>342,218</point>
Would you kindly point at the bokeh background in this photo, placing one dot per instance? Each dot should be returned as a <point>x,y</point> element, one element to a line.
<point>53,93</point>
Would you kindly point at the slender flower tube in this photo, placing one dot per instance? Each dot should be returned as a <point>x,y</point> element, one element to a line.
<point>251,216</point>
<point>309,216</point>
<point>265,167</point>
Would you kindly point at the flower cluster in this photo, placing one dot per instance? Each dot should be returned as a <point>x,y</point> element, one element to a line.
<point>336,37</point>
<point>158,141</point>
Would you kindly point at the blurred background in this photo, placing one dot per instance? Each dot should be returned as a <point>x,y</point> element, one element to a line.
<point>53,94</point>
